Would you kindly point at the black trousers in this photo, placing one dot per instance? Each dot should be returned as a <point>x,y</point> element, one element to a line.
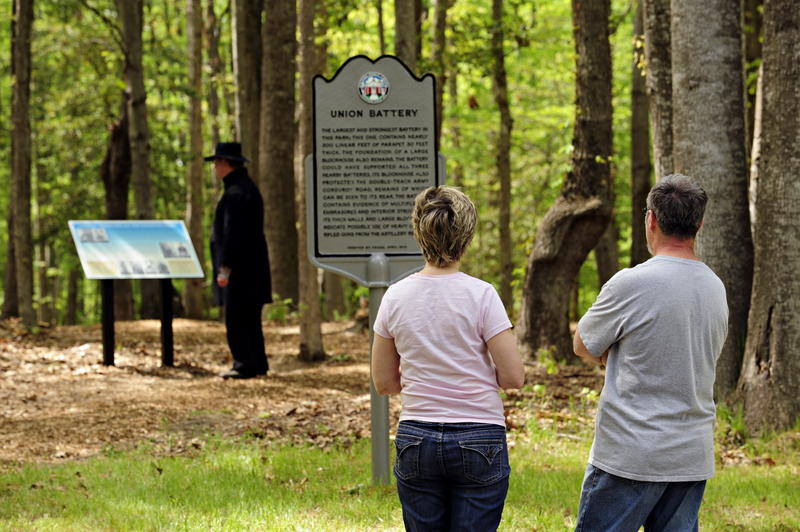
<point>246,338</point>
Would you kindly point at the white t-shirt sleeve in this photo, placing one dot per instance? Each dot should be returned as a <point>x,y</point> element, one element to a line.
<point>495,320</point>
<point>381,325</point>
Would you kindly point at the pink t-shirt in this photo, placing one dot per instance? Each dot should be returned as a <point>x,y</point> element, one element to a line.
<point>440,325</point>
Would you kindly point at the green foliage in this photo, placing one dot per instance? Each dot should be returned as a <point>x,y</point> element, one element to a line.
<point>279,310</point>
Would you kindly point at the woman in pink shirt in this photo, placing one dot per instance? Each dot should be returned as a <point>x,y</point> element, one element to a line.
<point>443,341</point>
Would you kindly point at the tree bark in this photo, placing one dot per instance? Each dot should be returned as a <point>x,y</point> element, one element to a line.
<point>10,299</point>
<point>659,81</point>
<point>576,221</point>
<point>771,372</point>
<point>73,296</point>
<point>215,68</point>
<point>438,43</point>
<point>333,286</point>
<point>457,175</point>
<point>755,153</point>
<point>753,32</point>
<point>130,14</point>
<point>247,52</point>
<point>640,143</point>
<point>277,144</point>
<point>115,172</point>
<point>311,348</point>
<point>22,26</point>
<point>381,30</point>
<point>405,33</point>
<point>709,136</point>
<point>194,297</point>
<point>606,253</point>
<point>503,155</point>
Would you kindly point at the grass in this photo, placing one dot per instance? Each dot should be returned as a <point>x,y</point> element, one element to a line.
<point>244,485</point>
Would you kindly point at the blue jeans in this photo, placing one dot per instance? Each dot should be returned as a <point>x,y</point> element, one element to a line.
<point>451,476</point>
<point>614,504</point>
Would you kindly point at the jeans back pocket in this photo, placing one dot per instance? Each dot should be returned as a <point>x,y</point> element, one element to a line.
<point>485,461</point>
<point>406,466</point>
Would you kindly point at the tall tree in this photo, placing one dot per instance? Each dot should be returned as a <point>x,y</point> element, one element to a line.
<point>247,73</point>
<point>769,381</point>
<point>640,142</point>
<point>115,172</point>
<point>753,22</point>
<point>215,68</point>
<point>276,142</point>
<point>576,221</point>
<point>381,31</point>
<point>194,299</point>
<point>405,33</point>
<point>438,43</point>
<point>658,56</point>
<point>130,13</point>
<point>21,28</point>
<point>606,253</point>
<point>311,348</point>
<point>709,145</point>
<point>503,153</point>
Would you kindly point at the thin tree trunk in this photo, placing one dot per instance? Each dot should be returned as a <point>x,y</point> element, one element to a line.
<point>576,221</point>
<point>194,299</point>
<point>131,14</point>
<point>405,33</point>
<point>10,299</point>
<point>640,143</point>
<point>659,81</point>
<point>381,30</point>
<point>708,121</point>
<point>215,67</point>
<point>769,382</point>
<point>277,144</point>
<point>333,285</point>
<point>457,175</point>
<point>438,43</point>
<point>21,157</point>
<point>73,296</point>
<point>311,348</point>
<point>247,52</point>
<point>503,155</point>
<point>753,23</point>
<point>755,153</point>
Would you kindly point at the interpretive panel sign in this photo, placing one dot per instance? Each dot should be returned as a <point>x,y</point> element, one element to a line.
<point>374,151</point>
<point>135,249</point>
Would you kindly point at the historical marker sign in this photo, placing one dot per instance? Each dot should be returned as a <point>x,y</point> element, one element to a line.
<point>374,151</point>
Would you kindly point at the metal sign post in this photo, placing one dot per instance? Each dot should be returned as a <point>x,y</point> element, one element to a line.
<point>374,151</point>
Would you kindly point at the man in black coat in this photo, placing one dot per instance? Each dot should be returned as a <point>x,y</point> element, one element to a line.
<point>241,265</point>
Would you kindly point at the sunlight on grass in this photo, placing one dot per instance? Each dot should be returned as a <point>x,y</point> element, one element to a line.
<point>243,485</point>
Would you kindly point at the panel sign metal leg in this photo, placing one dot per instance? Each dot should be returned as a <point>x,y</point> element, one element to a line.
<point>107,296</point>
<point>379,406</point>
<point>166,323</point>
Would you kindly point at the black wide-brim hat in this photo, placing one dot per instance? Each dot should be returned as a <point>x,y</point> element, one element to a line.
<point>231,151</point>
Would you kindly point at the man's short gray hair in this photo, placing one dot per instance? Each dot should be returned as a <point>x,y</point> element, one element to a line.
<point>678,203</point>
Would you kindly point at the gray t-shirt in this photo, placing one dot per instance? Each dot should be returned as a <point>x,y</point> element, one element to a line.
<point>665,322</point>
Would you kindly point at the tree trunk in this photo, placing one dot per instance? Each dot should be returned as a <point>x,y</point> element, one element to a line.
<point>277,144</point>
<point>115,172</point>
<point>606,253</point>
<point>576,221</point>
<point>708,122</point>
<point>381,30</point>
<point>215,68</point>
<point>131,13</point>
<point>21,157</point>
<point>311,348</point>
<point>73,296</point>
<point>247,61</point>
<point>771,371</point>
<point>438,43</point>
<point>753,23</point>
<point>405,33</point>
<point>194,299</point>
<point>457,175</point>
<point>10,299</point>
<point>659,81</point>
<point>333,286</point>
<point>755,152</point>
<point>640,144</point>
<point>503,155</point>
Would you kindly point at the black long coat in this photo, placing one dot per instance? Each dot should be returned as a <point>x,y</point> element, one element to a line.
<point>237,241</point>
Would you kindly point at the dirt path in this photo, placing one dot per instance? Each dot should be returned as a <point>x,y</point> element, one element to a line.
<point>58,402</point>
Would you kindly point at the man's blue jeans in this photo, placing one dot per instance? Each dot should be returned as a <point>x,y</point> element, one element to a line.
<point>614,504</point>
<point>451,476</point>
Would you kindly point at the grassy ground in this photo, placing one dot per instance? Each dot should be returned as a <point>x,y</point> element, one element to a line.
<point>249,485</point>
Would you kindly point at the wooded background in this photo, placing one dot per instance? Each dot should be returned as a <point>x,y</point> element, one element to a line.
<point>555,117</point>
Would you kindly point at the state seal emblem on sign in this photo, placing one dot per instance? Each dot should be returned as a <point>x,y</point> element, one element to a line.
<point>373,87</point>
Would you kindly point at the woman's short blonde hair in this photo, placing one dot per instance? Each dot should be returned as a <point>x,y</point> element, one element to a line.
<point>444,220</point>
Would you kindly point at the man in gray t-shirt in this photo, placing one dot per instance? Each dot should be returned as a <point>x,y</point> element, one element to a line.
<point>659,328</point>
